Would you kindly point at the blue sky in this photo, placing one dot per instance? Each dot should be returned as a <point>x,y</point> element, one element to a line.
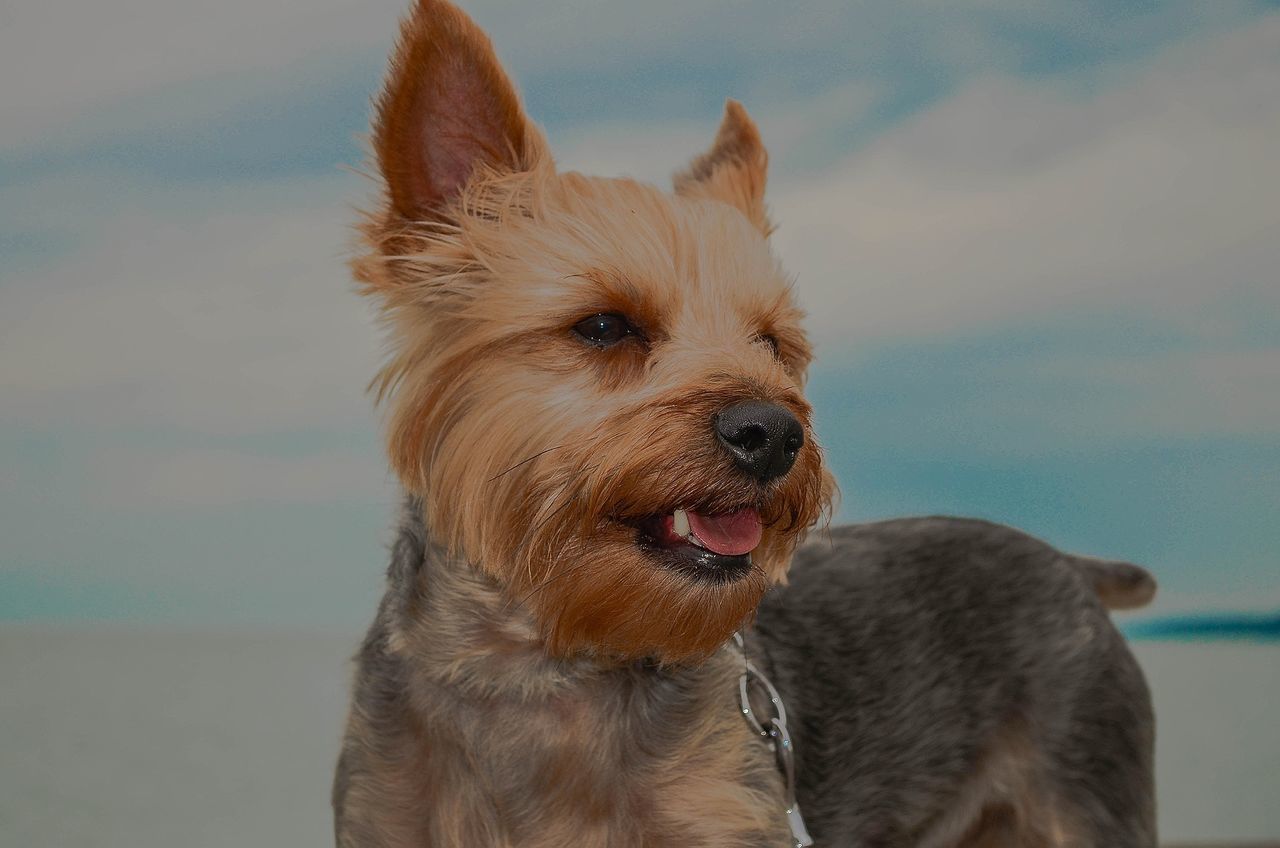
<point>1038,243</point>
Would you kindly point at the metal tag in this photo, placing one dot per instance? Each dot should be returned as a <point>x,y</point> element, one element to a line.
<point>799,834</point>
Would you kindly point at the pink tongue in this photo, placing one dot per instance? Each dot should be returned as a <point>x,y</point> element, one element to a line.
<point>731,535</point>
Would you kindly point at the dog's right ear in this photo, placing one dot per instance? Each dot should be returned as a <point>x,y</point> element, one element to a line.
<point>734,170</point>
<point>448,111</point>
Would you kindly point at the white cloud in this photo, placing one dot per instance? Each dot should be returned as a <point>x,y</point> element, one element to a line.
<point>161,479</point>
<point>56,62</point>
<point>1015,199</point>
<point>653,153</point>
<point>94,70</point>
<point>218,312</point>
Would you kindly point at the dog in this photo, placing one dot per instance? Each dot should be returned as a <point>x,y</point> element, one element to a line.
<point>595,405</point>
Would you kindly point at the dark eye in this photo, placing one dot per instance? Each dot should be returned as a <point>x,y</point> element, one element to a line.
<point>604,330</point>
<point>771,341</point>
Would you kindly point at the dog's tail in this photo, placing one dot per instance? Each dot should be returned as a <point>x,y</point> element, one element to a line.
<point>1120,585</point>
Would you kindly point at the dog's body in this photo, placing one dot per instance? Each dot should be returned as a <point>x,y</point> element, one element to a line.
<point>965,688</point>
<point>596,407</point>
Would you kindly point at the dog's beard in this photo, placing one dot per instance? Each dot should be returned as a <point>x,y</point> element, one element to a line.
<point>568,535</point>
<point>606,594</point>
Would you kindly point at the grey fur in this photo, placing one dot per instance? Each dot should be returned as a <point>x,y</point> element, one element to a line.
<point>903,647</point>
<point>906,651</point>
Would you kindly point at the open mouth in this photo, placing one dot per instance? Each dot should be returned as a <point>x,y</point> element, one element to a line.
<point>708,547</point>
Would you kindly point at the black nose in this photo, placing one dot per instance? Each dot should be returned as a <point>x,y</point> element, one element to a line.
<point>763,438</point>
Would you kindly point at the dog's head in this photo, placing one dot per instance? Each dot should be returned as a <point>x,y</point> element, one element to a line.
<point>595,386</point>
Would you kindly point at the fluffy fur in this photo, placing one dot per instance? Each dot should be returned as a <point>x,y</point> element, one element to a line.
<point>535,676</point>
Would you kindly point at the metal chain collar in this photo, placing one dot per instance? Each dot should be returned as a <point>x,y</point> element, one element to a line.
<point>774,732</point>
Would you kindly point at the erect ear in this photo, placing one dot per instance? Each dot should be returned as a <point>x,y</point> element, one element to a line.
<point>447,110</point>
<point>733,170</point>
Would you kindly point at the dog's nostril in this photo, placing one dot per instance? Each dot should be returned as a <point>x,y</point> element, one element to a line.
<point>751,437</point>
<point>763,438</point>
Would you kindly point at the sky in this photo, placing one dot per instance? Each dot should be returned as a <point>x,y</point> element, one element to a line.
<point>1038,243</point>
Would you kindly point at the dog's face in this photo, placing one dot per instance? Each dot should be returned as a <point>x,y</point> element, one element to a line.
<point>595,386</point>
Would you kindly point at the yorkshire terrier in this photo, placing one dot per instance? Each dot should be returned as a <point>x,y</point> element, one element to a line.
<point>595,403</point>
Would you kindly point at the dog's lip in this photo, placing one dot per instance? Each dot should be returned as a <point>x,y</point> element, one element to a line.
<point>698,563</point>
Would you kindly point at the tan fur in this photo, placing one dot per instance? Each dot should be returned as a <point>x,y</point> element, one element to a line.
<point>571,442</point>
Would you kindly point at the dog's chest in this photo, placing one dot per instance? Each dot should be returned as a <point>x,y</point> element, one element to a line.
<point>615,769</point>
<point>648,768</point>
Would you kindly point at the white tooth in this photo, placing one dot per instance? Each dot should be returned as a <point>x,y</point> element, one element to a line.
<point>680,523</point>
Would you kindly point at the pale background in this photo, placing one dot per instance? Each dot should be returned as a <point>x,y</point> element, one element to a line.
<point>1038,241</point>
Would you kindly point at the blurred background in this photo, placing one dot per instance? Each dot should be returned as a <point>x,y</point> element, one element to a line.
<point>1038,243</point>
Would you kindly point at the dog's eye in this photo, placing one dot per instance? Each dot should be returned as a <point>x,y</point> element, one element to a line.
<point>604,330</point>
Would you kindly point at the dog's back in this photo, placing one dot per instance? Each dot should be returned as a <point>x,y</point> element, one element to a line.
<point>954,682</point>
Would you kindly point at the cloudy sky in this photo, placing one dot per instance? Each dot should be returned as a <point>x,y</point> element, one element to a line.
<point>1038,241</point>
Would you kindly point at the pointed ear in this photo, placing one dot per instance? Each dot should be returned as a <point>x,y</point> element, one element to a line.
<point>447,110</point>
<point>733,170</point>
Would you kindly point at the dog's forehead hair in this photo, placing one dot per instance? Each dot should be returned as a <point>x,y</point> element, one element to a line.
<point>685,267</point>
<point>735,280</point>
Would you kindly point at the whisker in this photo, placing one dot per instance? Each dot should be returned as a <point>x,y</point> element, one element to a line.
<point>524,461</point>
<point>589,441</point>
<point>570,572</point>
<point>534,531</point>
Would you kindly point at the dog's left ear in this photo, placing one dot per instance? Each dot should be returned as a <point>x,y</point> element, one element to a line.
<point>734,169</point>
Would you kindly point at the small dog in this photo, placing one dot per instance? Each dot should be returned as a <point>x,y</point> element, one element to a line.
<point>596,408</point>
